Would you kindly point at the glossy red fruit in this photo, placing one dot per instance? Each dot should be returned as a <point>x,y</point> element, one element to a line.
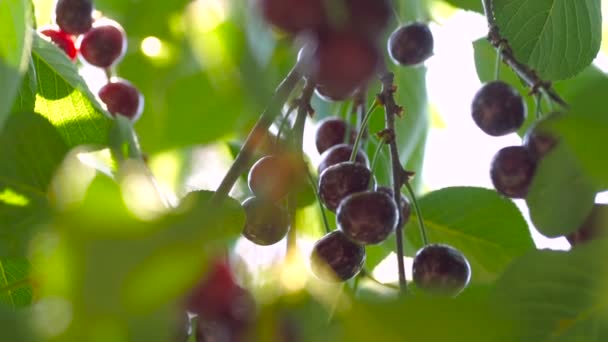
<point>368,217</point>
<point>498,108</point>
<point>441,270</point>
<point>273,176</point>
<point>538,140</point>
<point>338,154</point>
<point>294,15</point>
<point>74,16</point>
<point>595,226</point>
<point>512,171</point>
<point>344,61</point>
<point>214,295</point>
<point>63,40</point>
<point>411,44</point>
<point>340,180</point>
<point>122,98</point>
<point>266,224</point>
<point>336,258</point>
<point>332,131</point>
<point>104,45</point>
<point>406,209</point>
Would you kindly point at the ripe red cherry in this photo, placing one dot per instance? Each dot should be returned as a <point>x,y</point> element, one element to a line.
<point>441,270</point>
<point>293,15</point>
<point>367,217</point>
<point>344,61</point>
<point>121,97</point>
<point>332,131</point>
<point>215,293</point>
<point>336,258</point>
<point>266,223</point>
<point>406,209</point>
<point>411,44</point>
<point>104,45</point>
<point>74,16</point>
<point>338,154</point>
<point>341,180</point>
<point>273,176</point>
<point>498,108</point>
<point>63,40</point>
<point>512,171</point>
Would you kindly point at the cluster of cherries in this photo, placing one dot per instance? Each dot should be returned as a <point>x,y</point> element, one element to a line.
<point>345,37</point>
<point>101,43</point>
<point>498,109</point>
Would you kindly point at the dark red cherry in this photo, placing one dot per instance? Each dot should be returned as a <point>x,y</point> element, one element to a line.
<point>344,61</point>
<point>406,209</point>
<point>63,40</point>
<point>336,258</point>
<point>338,154</point>
<point>368,217</point>
<point>104,45</point>
<point>441,270</point>
<point>266,223</point>
<point>74,16</point>
<point>498,108</point>
<point>294,15</point>
<point>411,44</point>
<point>122,98</point>
<point>595,226</point>
<point>512,171</point>
<point>341,180</point>
<point>332,131</point>
<point>538,140</point>
<point>214,294</point>
<point>273,176</point>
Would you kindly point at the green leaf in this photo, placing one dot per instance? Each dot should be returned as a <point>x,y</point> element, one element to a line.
<point>15,45</point>
<point>557,296</point>
<point>583,129</point>
<point>31,150</point>
<point>25,100</point>
<point>64,98</point>
<point>130,260</point>
<point>487,228</point>
<point>561,196</point>
<point>557,38</point>
<point>15,289</point>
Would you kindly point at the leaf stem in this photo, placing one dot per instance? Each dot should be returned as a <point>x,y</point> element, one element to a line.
<point>254,138</point>
<point>391,109</point>
<point>425,240</point>
<point>526,73</point>
<point>364,122</point>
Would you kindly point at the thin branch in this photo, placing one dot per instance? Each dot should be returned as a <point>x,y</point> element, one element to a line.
<point>391,110</point>
<point>526,73</point>
<point>259,130</point>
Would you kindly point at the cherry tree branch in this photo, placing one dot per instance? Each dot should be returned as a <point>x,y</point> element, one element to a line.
<point>526,73</point>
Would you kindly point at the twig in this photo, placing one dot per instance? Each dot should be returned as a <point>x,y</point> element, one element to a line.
<point>391,109</point>
<point>259,130</point>
<point>526,73</point>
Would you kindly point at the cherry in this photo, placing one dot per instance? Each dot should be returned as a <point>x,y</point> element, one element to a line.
<point>104,45</point>
<point>341,180</point>
<point>74,16</point>
<point>593,228</point>
<point>332,131</point>
<point>214,294</point>
<point>266,223</point>
<point>368,217</point>
<point>345,61</point>
<point>368,17</point>
<point>293,15</point>
<point>233,325</point>
<point>406,209</point>
<point>336,258</point>
<point>273,176</point>
<point>63,40</point>
<point>338,154</point>
<point>122,98</point>
<point>441,269</point>
<point>498,108</point>
<point>411,44</point>
<point>538,140</point>
<point>512,171</point>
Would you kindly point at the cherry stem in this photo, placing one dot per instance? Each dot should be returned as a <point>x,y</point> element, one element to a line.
<point>241,162</point>
<point>353,155</point>
<point>497,65</point>
<point>425,240</point>
<point>526,73</point>
<point>313,184</point>
<point>376,154</point>
<point>391,109</point>
<point>359,100</point>
<point>538,103</point>
<point>283,124</point>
